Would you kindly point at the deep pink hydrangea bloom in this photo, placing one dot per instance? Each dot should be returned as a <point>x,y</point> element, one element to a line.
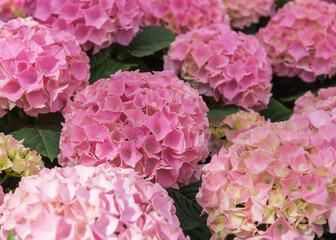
<point>224,64</point>
<point>182,16</point>
<point>243,13</point>
<point>154,123</point>
<point>300,39</point>
<point>80,203</point>
<point>10,9</point>
<point>16,159</point>
<point>40,67</point>
<point>281,175</point>
<point>96,24</point>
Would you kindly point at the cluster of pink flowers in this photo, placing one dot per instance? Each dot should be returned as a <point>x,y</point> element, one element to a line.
<point>282,174</point>
<point>182,16</point>
<point>96,24</point>
<point>89,203</point>
<point>17,160</point>
<point>154,123</point>
<point>224,64</point>
<point>10,9</point>
<point>40,67</point>
<point>300,39</point>
<point>243,13</point>
<point>319,113</point>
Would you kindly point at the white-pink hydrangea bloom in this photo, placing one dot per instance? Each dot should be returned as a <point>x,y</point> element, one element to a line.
<point>16,159</point>
<point>274,182</point>
<point>182,16</point>
<point>95,24</point>
<point>40,67</point>
<point>224,64</point>
<point>243,13</point>
<point>301,39</point>
<point>154,123</point>
<point>82,203</point>
<point>10,9</point>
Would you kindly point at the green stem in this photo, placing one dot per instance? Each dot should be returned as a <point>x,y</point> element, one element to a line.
<point>5,178</point>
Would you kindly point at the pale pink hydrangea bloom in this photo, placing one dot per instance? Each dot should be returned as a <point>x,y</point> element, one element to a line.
<point>225,130</point>
<point>154,123</point>
<point>319,113</point>
<point>301,39</point>
<point>281,175</point>
<point>243,13</point>
<point>182,16</point>
<point>10,9</point>
<point>16,159</point>
<point>224,64</point>
<point>95,24</point>
<point>240,122</point>
<point>81,203</point>
<point>40,67</point>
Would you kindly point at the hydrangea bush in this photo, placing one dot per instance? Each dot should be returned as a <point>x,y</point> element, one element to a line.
<point>275,182</point>
<point>184,16</point>
<point>10,9</point>
<point>40,67</point>
<point>89,203</point>
<point>300,39</point>
<point>243,13</point>
<point>95,24</point>
<point>154,123</point>
<point>224,64</point>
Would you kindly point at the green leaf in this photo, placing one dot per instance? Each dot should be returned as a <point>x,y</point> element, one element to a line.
<point>187,209</point>
<point>200,233</point>
<point>151,40</point>
<point>280,3</point>
<point>44,140</point>
<point>10,235</point>
<point>276,111</point>
<point>219,113</point>
<point>292,98</point>
<point>100,57</point>
<point>109,67</point>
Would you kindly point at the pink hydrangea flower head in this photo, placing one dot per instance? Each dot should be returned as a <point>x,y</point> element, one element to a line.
<point>10,9</point>
<point>224,64</point>
<point>300,39</point>
<point>319,113</point>
<point>243,13</point>
<point>154,123</point>
<point>95,24</point>
<point>40,67</point>
<point>89,203</point>
<point>280,175</point>
<point>16,159</point>
<point>182,16</point>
